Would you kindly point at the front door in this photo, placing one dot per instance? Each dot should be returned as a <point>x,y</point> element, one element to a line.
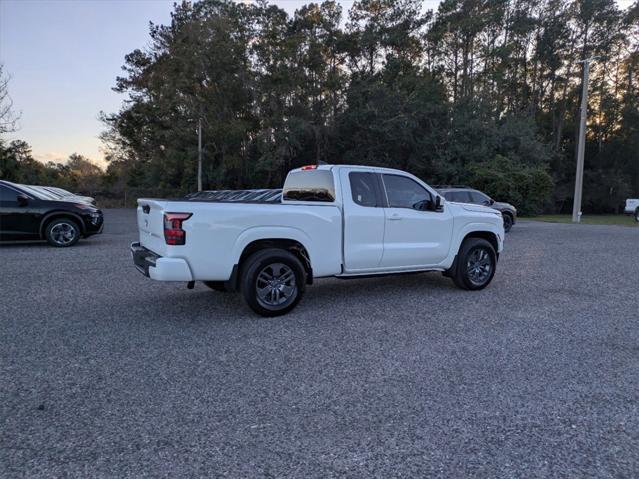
<point>413,237</point>
<point>17,222</point>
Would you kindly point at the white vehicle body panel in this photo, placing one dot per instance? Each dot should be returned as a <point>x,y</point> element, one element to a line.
<point>341,238</point>
<point>363,232</point>
<point>631,206</point>
<point>415,239</point>
<point>217,233</point>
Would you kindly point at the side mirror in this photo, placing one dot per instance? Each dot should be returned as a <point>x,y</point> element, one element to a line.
<point>22,200</point>
<point>422,205</point>
<point>429,205</point>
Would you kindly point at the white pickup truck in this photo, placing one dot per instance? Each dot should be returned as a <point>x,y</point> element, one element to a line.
<point>329,220</point>
<point>632,208</point>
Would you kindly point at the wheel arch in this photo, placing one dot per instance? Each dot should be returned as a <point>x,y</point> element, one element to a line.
<point>61,214</point>
<point>487,235</point>
<point>288,244</point>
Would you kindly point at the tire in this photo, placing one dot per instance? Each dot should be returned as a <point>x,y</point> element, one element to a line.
<point>278,297</point>
<point>219,286</point>
<point>508,222</point>
<point>637,215</point>
<point>62,232</point>
<point>481,253</point>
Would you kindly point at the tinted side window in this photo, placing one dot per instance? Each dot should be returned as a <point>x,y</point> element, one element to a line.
<point>309,185</point>
<point>479,198</point>
<point>458,196</point>
<point>404,192</point>
<point>364,188</point>
<point>7,194</point>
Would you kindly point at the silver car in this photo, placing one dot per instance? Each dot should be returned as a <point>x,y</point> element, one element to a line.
<point>464,194</point>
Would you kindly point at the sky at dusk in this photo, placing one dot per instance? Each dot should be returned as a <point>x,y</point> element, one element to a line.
<point>63,57</point>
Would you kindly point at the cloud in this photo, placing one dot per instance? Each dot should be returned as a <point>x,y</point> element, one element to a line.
<point>56,157</point>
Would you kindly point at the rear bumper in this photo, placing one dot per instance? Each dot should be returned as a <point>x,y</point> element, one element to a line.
<point>156,267</point>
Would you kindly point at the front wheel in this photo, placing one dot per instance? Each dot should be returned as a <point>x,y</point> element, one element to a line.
<point>273,282</point>
<point>637,215</point>
<point>476,264</point>
<point>62,232</point>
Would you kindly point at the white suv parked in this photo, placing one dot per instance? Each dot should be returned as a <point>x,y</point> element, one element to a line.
<point>342,221</point>
<point>632,208</point>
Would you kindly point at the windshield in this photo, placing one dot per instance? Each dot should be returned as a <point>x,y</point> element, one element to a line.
<point>39,193</point>
<point>59,191</point>
<point>51,191</point>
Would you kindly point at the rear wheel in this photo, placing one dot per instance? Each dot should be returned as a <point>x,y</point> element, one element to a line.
<point>637,215</point>
<point>508,222</point>
<point>62,232</point>
<point>273,282</point>
<point>476,264</point>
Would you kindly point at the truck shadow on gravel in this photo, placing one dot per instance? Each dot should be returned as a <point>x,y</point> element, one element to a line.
<point>328,295</point>
<point>332,290</point>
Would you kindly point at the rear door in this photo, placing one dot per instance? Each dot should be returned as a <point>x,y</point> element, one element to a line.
<point>413,237</point>
<point>363,220</point>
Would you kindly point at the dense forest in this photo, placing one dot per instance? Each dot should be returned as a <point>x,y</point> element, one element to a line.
<point>484,92</point>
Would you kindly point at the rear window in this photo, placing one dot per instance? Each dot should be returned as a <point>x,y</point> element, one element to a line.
<point>364,188</point>
<point>310,185</point>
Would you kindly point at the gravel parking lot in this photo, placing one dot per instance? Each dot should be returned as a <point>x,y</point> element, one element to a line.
<point>105,373</point>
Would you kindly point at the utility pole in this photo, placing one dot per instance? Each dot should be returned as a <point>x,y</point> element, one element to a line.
<point>199,154</point>
<point>581,145</point>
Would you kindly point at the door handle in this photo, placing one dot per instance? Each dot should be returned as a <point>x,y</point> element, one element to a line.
<point>394,217</point>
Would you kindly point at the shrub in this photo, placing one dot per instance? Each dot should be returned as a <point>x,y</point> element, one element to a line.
<point>528,188</point>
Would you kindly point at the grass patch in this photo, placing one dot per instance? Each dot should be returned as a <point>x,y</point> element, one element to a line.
<point>622,220</point>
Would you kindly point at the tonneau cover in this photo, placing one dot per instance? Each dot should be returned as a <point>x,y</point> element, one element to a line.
<point>238,196</point>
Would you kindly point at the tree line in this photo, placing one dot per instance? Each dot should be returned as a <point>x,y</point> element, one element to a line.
<point>480,92</point>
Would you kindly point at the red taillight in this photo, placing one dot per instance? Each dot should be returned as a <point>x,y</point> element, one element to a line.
<point>309,167</point>
<point>173,232</point>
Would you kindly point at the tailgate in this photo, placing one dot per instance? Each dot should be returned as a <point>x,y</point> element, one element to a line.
<point>151,225</point>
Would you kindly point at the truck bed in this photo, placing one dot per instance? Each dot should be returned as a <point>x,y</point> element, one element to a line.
<point>270,196</point>
<point>220,228</point>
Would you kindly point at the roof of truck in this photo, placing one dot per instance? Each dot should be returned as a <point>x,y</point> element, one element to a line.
<point>363,167</point>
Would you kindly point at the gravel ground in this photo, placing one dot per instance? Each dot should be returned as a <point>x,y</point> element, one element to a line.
<point>105,373</point>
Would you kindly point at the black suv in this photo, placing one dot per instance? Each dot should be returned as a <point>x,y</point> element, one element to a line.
<point>464,194</point>
<point>28,213</point>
